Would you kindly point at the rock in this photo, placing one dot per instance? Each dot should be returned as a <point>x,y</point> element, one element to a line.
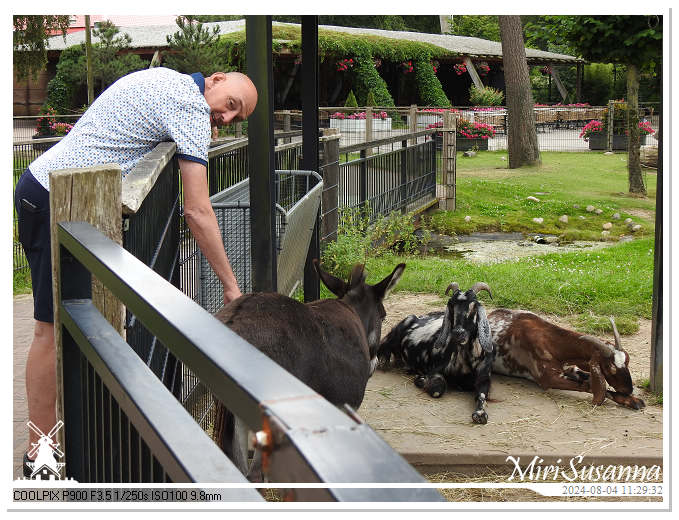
<point>628,221</point>
<point>636,228</point>
<point>608,153</point>
<point>605,234</point>
<point>503,158</point>
<point>598,211</point>
<point>551,240</point>
<point>576,206</point>
<point>582,217</point>
<point>590,208</point>
<point>469,153</point>
<point>525,243</point>
<point>538,220</point>
<point>534,199</point>
<point>564,219</point>
<point>607,225</point>
<point>616,216</point>
<point>626,238</point>
<point>467,219</point>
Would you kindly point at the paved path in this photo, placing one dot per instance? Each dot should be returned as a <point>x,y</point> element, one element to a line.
<point>23,334</point>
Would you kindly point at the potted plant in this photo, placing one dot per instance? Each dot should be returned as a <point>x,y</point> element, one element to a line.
<point>355,122</point>
<point>596,134</point>
<point>468,136</point>
<point>45,128</point>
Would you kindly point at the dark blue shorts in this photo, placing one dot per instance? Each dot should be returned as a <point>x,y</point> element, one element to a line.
<point>32,203</point>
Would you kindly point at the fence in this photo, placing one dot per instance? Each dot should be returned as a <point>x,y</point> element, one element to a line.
<point>122,425</point>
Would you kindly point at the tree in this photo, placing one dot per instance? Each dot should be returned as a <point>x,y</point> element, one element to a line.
<point>31,34</point>
<point>635,41</point>
<point>108,63</point>
<point>195,48</point>
<point>522,140</point>
<point>477,26</point>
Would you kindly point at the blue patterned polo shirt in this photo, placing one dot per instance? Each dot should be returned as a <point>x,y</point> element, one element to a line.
<point>130,118</point>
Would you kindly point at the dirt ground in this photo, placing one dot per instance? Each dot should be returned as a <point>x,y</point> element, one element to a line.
<point>524,421</point>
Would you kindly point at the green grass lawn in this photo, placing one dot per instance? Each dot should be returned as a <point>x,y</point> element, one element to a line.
<point>496,197</point>
<point>584,286</point>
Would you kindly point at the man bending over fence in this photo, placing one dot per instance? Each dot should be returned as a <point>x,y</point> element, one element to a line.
<point>123,124</point>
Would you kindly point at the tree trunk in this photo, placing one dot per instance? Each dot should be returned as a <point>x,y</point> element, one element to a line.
<point>445,22</point>
<point>636,181</point>
<point>522,139</point>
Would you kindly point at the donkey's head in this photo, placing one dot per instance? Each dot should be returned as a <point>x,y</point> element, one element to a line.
<point>613,365</point>
<point>364,299</point>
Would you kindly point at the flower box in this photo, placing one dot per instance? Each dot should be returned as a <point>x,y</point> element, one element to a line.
<point>600,142</point>
<point>463,144</point>
<point>43,147</point>
<point>358,125</point>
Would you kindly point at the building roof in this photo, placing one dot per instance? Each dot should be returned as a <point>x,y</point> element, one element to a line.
<point>155,36</point>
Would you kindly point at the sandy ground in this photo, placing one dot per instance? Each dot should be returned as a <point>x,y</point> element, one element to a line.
<point>524,420</point>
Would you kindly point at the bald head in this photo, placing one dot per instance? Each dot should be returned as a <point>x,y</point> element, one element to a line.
<point>232,96</point>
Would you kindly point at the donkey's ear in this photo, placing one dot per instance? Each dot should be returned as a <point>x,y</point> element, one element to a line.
<point>383,288</point>
<point>597,381</point>
<point>357,276</point>
<point>334,284</point>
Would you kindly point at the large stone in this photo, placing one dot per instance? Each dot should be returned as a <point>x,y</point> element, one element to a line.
<point>616,216</point>
<point>564,219</point>
<point>534,199</point>
<point>538,220</point>
<point>467,219</point>
<point>598,211</point>
<point>607,225</point>
<point>590,208</point>
<point>628,220</point>
<point>636,228</point>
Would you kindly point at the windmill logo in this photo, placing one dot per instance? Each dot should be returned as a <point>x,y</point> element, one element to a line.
<point>45,465</point>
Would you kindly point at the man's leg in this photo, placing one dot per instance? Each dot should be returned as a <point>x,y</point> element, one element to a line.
<point>41,380</point>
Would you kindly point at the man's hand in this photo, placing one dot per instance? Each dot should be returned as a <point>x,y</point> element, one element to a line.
<point>231,294</point>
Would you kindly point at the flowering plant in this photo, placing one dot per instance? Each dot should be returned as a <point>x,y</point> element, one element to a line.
<point>345,64</point>
<point>594,127</point>
<point>546,70</point>
<point>435,66</point>
<point>469,130</point>
<point>645,128</point>
<point>45,123</point>
<point>439,110</point>
<point>483,68</point>
<point>358,115</point>
<point>407,66</point>
<point>62,128</point>
<point>474,130</point>
<point>377,63</point>
<point>460,68</point>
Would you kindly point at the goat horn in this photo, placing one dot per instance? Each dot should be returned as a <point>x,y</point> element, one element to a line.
<point>481,286</point>
<point>604,348</point>
<point>618,344</point>
<point>454,286</point>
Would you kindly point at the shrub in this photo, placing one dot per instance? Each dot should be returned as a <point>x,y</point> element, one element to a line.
<point>486,96</point>
<point>351,100</point>
<point>370,100</point>
<point>474,130</point>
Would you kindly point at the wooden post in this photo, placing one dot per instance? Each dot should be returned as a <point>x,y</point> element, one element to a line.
<point>330,195</point>
<point>286,125</point>
<point>472,72</point>
<point>448,161</point>
<point>559,85</point>
<point>91,195</point>
<point>369,128</point>
<point>413,123</point>
<point>239,129</point>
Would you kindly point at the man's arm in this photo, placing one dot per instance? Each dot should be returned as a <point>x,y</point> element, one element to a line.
<point>202,222</point>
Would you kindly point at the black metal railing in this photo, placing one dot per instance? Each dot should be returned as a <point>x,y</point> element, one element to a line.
<point>122,424</point>
<point>399,177</point>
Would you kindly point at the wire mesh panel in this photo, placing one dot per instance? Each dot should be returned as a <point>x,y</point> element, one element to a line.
<point>298,195</point>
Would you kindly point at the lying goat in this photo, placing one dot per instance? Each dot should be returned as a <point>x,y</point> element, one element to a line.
<point>330,345</point>
<point>533,348</point>
<point>454,346</point>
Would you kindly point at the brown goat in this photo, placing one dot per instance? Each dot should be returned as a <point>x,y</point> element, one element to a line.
<point>533,348</point>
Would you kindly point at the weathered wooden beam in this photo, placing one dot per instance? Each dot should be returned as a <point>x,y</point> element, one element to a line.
<point>559,85</point>
<point>472,72</point>
<point>90,195</point>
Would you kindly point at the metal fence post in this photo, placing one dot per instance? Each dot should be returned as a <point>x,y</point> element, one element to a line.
<point>413,123</point>
<point>363,180</point>
<point>404,176</point>
<point>369,128</point>
<point>657,308</point>
<point>609,136</point>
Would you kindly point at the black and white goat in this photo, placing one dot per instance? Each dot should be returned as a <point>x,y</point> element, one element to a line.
<point>451,347</point>
<point>330,345</point>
